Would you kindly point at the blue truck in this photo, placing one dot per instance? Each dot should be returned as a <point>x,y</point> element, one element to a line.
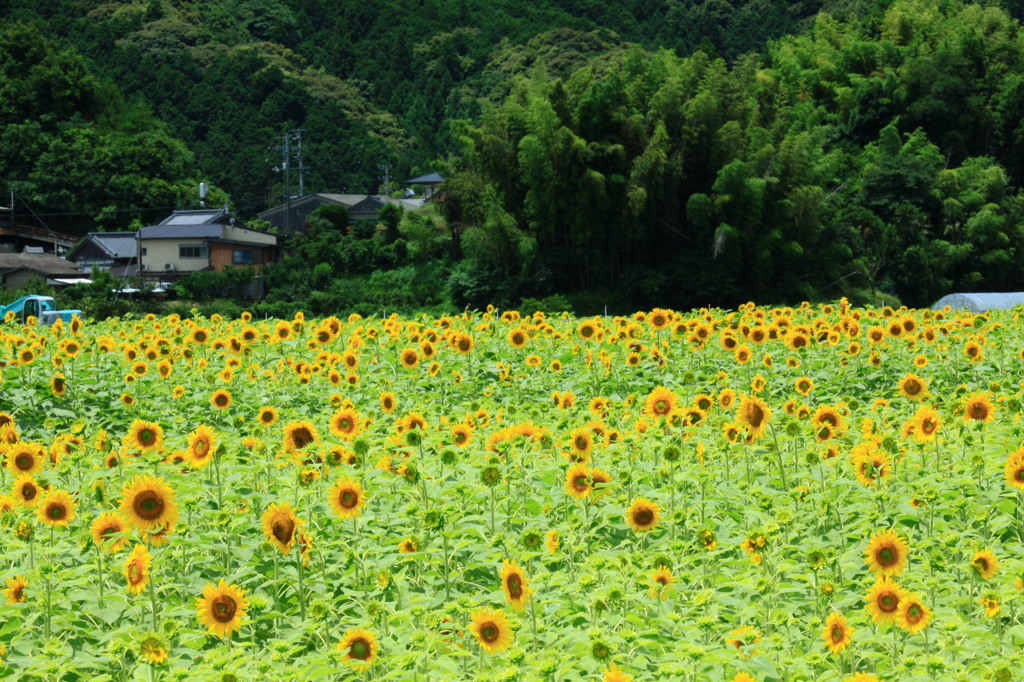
<point>42,308</point>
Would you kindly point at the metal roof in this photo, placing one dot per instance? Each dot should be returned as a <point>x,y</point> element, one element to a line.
<point>429,178</point>
<point>979,303</point>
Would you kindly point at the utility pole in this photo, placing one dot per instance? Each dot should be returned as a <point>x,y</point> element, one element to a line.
<point>298,157</point>
<point>386,167</point>
<point>287,184</point>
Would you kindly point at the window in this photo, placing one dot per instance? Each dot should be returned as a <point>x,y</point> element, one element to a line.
<point>143,251</point>
<point>241,257</point>
<point>193,251</point>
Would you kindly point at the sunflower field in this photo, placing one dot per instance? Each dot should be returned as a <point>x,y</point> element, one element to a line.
<point>769,494</point>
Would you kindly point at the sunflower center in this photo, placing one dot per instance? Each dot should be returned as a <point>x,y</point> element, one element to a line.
<point>888,603</point>
<point>643,517</point>
<point>24,461</point>
<point>223,608</point>
<point>1019,474</point>
<point>283,530</point>
<point>489,632</point>
<point>981,565</point>
<point>515,586</point>
<point>978,412</point>
<point>201,447</point>
<point>580,482</point>
<point>134,573</point>
<point>348,499</point>
<point>360,649</point>
<point>345,423</point>
<point>581,443</point>
<point>149,505</point>
<point>754,414</point>
<point>928,425</point>
<point>887,556</point>
<point>837,634</point>
<point>28,492</point>
<point>146,436</point>
<point>56,512</point>
<point>302,437</point>
<point>914,613</point>
<point>221,400</point>
<point>912,387</point>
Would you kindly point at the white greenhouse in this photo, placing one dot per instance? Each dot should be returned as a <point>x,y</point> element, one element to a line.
<point>979,303</point>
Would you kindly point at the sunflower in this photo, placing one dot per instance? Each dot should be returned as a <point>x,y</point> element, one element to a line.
<point>803,385</point>
<point>991,605</point>
<point>883,601</point>
<point>744,636</point>
<point>643,515</point>
<point>661,402</point>
<point>345,423</point>
<point>753,414</point>
<point>108,530</point>
<point>280,524</point>
<point>201,446</point>
<point>410,545</point>
<point>409,358</point>
<point>26,490</point>
<point>153,648</point>
<point>359,645</point>
<point>347,499</point>
<point>978,407</point>
<point>837,634</point>
<point>577,481</point>
<point>551,541</point>
<point>926,424</point>
<point>661,578</point>
<point>221,608</point>
<point>985,564</point>
<point>56,508</point>
<point>744,677</point>
<point>15,590</point>
<point>221,399</point>
<point>136,569</point>
<point>871,467</point>
<point>148,502</point>
<point>144,437</point>
<point>463,344</point>
<point>614,674</point>
<point>581,443</point>
<point>518,338</point>
<point>58,385</point>
<point>492,630</point>
<point>462,434</point>
<point>267,416</point>
<point>297,435</point>
<point>25,459</point>
<point>886,554</point>
<point>913,615</point>
<point>1013,471</point>
<point>517,592</point>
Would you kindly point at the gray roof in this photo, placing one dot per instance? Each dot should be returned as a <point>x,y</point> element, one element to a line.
<point>429,178</point>
<point>193,231</point>
<point>205,216</point>
<point>114,244</point>
<point>979,303</point>
<point>44,263</point>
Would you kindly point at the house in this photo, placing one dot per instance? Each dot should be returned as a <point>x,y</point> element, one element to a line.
<point>117,252</point>
<point>16,269</point>
<point>189,241</point>
<point>291,217</point>
<point>14,238</point>
<point>431,182</point>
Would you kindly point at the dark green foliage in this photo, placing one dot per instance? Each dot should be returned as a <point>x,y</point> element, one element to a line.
<point>626,155</point>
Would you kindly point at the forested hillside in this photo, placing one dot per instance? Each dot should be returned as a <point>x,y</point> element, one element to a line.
<point>645,152</point>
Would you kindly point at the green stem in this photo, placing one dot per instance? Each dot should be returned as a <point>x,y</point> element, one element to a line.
<point>302,595</point>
